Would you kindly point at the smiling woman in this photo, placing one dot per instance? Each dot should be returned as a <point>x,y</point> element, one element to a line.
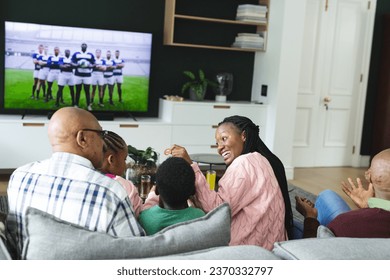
<point>254,185</point>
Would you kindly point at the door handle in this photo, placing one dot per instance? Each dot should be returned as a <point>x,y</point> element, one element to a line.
<point>326,101</point>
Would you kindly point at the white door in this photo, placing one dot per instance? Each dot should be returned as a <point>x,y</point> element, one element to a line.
<point>330,81</point>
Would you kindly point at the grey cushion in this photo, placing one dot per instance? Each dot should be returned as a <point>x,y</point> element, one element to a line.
<point>4,254</point>
<point>337,248</point>
<point>52,238</point>
<point>241,252</point>
<point>324,232</point>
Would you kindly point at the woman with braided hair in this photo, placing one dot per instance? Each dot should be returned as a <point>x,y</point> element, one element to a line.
<point>254,185</point>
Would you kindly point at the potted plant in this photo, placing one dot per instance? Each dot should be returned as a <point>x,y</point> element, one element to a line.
<point>144,163</point>
<point>197,85</point>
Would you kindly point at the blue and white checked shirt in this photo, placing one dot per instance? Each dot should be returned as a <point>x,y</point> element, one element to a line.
<point>68,187</point>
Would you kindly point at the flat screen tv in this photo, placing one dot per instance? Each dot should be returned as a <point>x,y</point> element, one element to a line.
<point>47,67</point>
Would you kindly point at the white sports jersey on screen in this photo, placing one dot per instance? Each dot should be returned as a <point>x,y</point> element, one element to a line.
<point>54,62</point>
<point>66,61</point>
<point>109,73</point>
<point>118,71</point>
<point>83,61</point>
<point>43,58</point>
<point>35,56</point>
<point>99,62</point>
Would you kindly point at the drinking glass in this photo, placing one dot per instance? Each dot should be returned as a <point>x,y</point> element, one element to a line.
<point>211,176</point>
<point>145,186</point>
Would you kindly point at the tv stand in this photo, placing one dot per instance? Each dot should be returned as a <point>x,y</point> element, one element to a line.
<point>130,115</point>
<point>103,116</point>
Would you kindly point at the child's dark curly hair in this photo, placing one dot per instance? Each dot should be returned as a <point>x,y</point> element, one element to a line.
<point>175,181</point>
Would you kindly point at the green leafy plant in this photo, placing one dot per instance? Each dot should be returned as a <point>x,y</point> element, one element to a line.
<point>197,84</point>
<point>146,157</point>
<point>144,163</point>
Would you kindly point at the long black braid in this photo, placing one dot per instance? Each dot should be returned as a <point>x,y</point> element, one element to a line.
<point>113,142</point>
<point>253,143</point>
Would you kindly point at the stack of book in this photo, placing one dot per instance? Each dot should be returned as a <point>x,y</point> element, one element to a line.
<point>253,13</point>
<point>249,41</point>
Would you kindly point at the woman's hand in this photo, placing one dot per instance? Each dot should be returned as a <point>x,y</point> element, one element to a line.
<point>358,194</point>
<point>178,151</point>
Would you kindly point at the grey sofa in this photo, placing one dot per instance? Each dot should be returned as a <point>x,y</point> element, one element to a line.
<point>203,238</point>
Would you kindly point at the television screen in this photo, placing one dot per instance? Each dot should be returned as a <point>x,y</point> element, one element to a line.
<point>48,67</point>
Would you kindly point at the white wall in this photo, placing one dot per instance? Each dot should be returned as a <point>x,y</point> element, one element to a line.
<point>279,67</point>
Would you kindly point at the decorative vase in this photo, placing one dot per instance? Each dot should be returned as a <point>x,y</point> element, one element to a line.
<point>220,98</point>
<point>225,86</point>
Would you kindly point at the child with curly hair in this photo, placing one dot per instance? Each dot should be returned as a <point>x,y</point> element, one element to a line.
<point>175,184</point>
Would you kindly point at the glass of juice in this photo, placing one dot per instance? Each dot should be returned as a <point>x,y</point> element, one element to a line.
<point>211,176</point>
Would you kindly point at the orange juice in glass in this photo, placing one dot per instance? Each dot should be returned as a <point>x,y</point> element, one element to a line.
<point>211,177</point>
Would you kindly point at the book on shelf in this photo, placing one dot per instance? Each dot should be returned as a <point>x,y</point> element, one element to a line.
<point>249,34</point>
<point>251,7</point>
<point>249,40</point>
<point>248,45</point>
<point>251,14</point>
<point>251,19</point>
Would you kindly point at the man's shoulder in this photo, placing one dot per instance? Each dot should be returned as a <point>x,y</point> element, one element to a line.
<point>29,166</point>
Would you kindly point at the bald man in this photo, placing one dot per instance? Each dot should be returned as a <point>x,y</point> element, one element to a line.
<point>373,217</point>
<point>67,185</point>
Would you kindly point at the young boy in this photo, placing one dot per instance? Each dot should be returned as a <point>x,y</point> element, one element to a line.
<point>175,183</point>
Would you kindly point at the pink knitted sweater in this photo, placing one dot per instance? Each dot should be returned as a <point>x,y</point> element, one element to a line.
<point>252,191</point>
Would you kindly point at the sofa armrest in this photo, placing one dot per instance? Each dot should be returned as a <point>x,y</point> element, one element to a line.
<point>337,248</point>
<point>241,252</point>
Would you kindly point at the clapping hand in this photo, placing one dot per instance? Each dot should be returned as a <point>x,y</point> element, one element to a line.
<point>358,194</point>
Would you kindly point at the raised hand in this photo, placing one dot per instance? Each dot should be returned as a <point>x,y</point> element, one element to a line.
<point>358,194</point>
<point>178,151</point>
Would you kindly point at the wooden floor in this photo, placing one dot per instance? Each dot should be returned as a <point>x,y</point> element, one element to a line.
<point>3,183</point>
<point>315,180</point>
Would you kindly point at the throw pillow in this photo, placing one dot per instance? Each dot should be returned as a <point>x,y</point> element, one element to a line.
<point>324,232</point>
<point>51,238</point>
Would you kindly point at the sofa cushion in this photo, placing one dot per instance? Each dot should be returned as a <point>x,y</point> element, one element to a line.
<point>238,252</point>
<point>324,232</point>
<point>337,248</point>
<point>4,254</point>
<point>51,238</point>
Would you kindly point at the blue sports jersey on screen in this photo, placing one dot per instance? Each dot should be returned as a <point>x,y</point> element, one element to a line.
<point>44,58</point>
<point>54,62</point>
<point>36,56</point>
<point>118,71</point>
<point>109,73</point>
<point>66,61</point>
<point>99,62</point>
<point>83,71</point>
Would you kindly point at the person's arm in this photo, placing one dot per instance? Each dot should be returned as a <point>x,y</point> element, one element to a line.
<point>232,188</point>
<point>310,223</point>
<point>358,194</point>
<point>310,226</point>
<point>151,200</point>
<point>132,193</point>
<point>124,223</point>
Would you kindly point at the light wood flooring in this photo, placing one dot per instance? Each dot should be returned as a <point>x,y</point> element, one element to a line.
<point>313,180</point>
<point>4,178</point>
